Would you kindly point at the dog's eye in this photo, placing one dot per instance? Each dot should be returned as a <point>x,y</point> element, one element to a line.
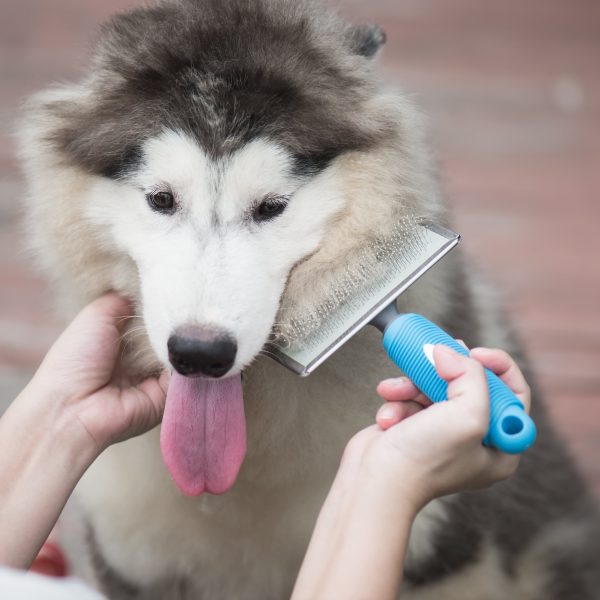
<point>270,207</point>
<point>161,202</point>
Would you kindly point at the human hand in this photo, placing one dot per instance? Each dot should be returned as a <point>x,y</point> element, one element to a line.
<point>431,450</point>
<point>74,407</point>
<point>417,451</point>
<point>79,377</point>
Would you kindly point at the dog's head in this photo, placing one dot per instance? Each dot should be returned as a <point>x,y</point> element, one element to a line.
<point>219,146</point>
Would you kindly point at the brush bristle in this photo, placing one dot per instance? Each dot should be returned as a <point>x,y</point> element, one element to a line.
<point>377,262</point>
<point>376,275</point>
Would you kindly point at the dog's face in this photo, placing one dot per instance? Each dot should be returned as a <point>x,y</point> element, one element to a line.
<point>215,239</point>
<point>212,157</point>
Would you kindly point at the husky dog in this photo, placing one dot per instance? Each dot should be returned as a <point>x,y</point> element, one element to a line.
<point>221,164</point>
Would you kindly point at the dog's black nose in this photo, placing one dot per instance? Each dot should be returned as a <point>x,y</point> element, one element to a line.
<point>201,351</point>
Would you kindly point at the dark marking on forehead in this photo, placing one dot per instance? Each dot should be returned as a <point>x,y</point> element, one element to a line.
<point>123,163</point>
<point>309,165</point>
<point>224,72</point>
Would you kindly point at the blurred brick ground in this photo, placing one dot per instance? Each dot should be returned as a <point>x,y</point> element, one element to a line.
<point>513,91</point>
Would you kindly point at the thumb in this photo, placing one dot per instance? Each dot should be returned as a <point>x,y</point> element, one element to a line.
<point>90,343</point>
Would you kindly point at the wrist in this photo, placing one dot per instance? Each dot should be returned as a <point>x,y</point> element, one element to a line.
<point>51,428</point>
<point>357,554</point>
<point>394,477</point>
<point>42,457</point>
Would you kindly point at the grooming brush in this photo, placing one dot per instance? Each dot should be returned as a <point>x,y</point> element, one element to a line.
<point>366,295</point>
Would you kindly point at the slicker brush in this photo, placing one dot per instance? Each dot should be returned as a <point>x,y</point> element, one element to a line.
<point>367,295</point>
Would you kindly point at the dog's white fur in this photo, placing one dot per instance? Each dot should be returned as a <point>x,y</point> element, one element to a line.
<point>209,263</point>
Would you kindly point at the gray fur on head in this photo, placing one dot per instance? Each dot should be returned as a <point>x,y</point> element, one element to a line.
<point>226,73</point>
<point>276,68</point>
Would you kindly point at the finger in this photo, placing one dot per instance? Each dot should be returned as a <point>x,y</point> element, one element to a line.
<point>97,320</point>
<point>142,409</point>
<point>90,339</point>
<point>392,413</point>
<point>164,380</point>
<point>462,343</point>
<point>502,364</point>
<point>154,389</point>
<point>112,306</point>
<point>401,389</point>
<point>466,381</point>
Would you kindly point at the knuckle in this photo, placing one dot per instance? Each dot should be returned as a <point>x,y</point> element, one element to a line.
<point>474,426</point>
<point>476,367</point>
<point>503,354</point>
<point>352,449</point>
<point>357,445</point>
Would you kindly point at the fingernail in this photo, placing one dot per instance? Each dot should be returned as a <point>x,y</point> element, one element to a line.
<point>395,381</point>
<point>449,354</point>
<point>386,413</point>
<point>447,350</point>
<point>428,350</point>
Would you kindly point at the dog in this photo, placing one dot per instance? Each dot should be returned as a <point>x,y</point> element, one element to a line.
<point>221,163</point>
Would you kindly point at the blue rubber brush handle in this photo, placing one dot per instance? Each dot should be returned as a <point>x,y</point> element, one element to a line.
<point>511,429</point>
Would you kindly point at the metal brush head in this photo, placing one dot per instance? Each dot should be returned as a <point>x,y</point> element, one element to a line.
<point>384,269</point>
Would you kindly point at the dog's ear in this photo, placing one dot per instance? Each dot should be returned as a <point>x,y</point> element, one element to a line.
<point>367,40</point>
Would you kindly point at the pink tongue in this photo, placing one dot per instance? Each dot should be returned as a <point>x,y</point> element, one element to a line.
<point>203,433</point>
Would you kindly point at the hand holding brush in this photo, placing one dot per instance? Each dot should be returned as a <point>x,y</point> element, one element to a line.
<point>367,295</point>
<point>387,475</point>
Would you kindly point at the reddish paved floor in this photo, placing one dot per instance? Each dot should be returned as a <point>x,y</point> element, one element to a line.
<point>513,92</point>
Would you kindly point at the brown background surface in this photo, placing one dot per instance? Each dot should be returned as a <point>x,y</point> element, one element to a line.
<point>513,92</point>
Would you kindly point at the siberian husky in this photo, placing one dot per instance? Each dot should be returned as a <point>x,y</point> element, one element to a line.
<point>220,164</point>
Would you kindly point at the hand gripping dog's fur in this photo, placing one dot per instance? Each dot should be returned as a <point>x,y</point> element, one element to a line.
<point>220,163</point>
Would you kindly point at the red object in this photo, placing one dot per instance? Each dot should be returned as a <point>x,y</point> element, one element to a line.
<point>50,561</point>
